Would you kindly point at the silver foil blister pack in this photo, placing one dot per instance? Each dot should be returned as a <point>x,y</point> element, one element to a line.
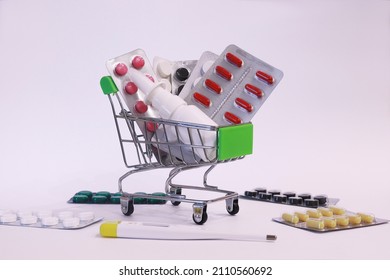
<point>235,87</point>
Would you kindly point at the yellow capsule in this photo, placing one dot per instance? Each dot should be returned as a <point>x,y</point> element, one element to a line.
<point>314,214</point>
<point>326,212</point>
<point>354,219</point>
<point>342,220</point>
<point>367,218</point>
<point>337,210</point>
<point>330,222</point>
<point>315,223</point>
<point>302,216</point>
<point>291,218</point>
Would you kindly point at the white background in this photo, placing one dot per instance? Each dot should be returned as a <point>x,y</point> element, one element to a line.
<point>325,129</point>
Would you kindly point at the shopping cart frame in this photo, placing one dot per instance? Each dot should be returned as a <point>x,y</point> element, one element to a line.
<point>157,149</point>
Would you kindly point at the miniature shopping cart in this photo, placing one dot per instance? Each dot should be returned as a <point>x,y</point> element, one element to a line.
<point>159,150</point>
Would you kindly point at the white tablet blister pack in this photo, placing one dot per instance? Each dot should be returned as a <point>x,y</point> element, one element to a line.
<point>235,87</point>
<point>163,69</point>
<point>134,98</point>
<point>51,219</point>
<point>206,60</point>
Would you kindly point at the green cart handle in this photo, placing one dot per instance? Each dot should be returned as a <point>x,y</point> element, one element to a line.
<point>108,86</point>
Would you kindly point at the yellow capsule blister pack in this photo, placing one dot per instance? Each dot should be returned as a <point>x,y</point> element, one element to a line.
<point>327,219</point>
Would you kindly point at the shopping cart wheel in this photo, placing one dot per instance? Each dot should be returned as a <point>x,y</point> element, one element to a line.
<point>232,206</point>
<point>127,206</point>
<point>178,192</point>
<point>200,214</point>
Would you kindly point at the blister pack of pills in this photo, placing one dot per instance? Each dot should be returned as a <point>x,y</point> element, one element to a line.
<point>204,63</point>
<point>181,71</point>
<point>173,74</point>
<point>163,69</point>
<point>51,219</point>
<point>134,98</point>
<point>235,87</point>
<point>328,219</point>
<point>289,198</point>
<point>104,197</point>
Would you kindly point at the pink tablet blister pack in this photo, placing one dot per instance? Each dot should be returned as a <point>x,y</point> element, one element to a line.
<point>134,98</point>
<point>235,87</point>
<point>206,60</point>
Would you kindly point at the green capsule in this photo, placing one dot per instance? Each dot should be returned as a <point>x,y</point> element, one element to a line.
<point>115,199</point>
<point>87,193</point>
<point>103,193</point>
<point>140,200</point>
<point>80,198</point>
<point>156,200</point>
<point>116,194</point>
<point>99,199</point>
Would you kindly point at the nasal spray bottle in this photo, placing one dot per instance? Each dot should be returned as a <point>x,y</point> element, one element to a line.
<point>172,107</point>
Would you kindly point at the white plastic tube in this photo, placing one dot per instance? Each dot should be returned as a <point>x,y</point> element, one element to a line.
<point>172,107</point>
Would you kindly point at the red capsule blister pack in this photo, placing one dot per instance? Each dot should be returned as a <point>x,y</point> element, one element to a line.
<point>204,63</point>
<point>235,87</point>
<point>134,98</point>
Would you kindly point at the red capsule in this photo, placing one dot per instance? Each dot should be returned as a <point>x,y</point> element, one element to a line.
<point>213,86</point>
<point>244,104</point>
<point>141,107</point>
<point>223,73</point>
<point>254,90</point>
<point>234,59</point>
<point>265,77</point>
<point>230,117</point>
<point>204,100</point>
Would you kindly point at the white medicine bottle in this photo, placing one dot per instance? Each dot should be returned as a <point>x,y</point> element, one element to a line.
<point>172,107</point>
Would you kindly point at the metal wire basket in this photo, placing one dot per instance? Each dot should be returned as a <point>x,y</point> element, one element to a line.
<point>157,144</point>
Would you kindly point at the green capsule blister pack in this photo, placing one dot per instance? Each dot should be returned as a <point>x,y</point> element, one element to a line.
<point>105,197</point>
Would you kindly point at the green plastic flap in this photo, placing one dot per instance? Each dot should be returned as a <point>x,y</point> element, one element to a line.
<point>235,141</point>
<point>108,86</point>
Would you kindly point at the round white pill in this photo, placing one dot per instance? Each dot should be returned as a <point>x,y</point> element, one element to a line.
<point>49,221</point>
<point>206,66</point>
<point>64,215</point>
<point>8,218</point>
<point>164,69</point>
<point>24,213</point>
<point>71,222</point>
<point>86,216</point>
<point>43,213</point>
<point>196,81</point>
<point>28,220</point>
<point>166,84</point>
<point>4,211</point>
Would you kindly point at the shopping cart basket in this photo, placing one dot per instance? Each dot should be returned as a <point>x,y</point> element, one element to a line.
<point>162,150</point>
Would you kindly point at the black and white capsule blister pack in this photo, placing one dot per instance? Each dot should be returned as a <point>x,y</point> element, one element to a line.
<point>235,87</point>
<point>181,71</point>
<point>50,219</point>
